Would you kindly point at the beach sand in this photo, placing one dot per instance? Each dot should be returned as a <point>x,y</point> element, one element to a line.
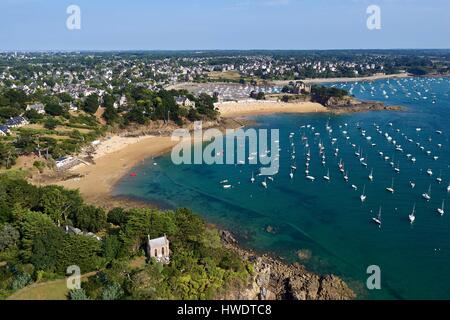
<point>234,109</point>
<point>114,158</point>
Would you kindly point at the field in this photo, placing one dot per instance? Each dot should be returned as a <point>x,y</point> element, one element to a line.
<point>225,75</point>
<point>51,290</point>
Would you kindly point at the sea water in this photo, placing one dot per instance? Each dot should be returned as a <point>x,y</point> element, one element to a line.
<point>324,225</point>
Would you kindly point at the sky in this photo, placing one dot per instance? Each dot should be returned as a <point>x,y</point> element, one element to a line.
<point>40,25</point>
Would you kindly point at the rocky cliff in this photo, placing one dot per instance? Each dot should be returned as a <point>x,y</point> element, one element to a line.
<point>275,280</point>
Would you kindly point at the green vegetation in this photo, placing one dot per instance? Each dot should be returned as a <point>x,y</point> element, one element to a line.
<point>34,248</point>
<point>322,94</point>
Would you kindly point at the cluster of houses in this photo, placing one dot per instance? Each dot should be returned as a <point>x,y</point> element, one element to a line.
<point>14,122</point>
<point>165,71</point>
<point>233,92</point>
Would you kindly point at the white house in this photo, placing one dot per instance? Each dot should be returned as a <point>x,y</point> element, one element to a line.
<point>184,102</point>
<point>38,107</point>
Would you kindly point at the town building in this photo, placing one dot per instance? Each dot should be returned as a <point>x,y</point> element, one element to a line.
<point>4,130</point>
<point>184,102</point>
<point>38,107</point>
<point>16,122</point>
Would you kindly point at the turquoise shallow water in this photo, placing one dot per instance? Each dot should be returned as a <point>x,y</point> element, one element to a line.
<point>327,219</point>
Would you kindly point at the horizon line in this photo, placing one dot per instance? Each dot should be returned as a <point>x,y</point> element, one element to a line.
<point>209,50</point>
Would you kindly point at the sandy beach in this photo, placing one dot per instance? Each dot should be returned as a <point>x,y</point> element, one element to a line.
<point>114,158</point>
<point>235,109</point>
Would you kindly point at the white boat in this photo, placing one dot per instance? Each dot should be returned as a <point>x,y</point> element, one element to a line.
<point>252,178</point>
<point>227,186</point>
<point>327,177</point>
<point>291,174</point>
<point>354,187</point>
<point>430,172</point>
<point>270,178</point>
<point>448,188</point>
<point>412,184</point>
<point>310,178</point>
<point>346,176</point>
<point>363,197</point>
<point>439,179</point>
<point>412,216</point>
<point>264,183</point>
<point>223,181</point>
<point>377,220</point>
<point>371,175</point>
<point>427,195</point>
<point>391,188</point>
<point>441,209</point>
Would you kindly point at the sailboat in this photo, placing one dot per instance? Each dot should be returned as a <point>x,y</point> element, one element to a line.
<point>327,177</point>
<point>448,188</point>
<point>397,168</point>
<point>377,220</point>
<point>427,195</point>
<point>291,174</point>
<point>412,216</point>
<point>439,179</point>
<point>252,178</point>
<point>441,209</point>
<point>371,175</point>
<point>412,184</point>
<point>346,176</point>
<point>363,197</point>
<point>430,172</point>
<point>264,183</point>
<point>391,188</point>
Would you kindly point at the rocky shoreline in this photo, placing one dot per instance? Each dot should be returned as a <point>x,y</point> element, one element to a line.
<point>275,280</point>
<point>349,105</point>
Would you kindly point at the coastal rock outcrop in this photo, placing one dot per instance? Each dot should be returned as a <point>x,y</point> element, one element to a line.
<point>275,280</point>
<point>349,104</point>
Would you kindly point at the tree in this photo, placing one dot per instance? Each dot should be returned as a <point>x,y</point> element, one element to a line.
<point>9,237</point>
<point>58,203</point>
<point>8,112</point>
<point>83,251</point>
<point>111,247</point>
<point>91,104</point>
<point>111,115</point>
<point>51,124</point>
<point>112,292</point>
<point>78,294</point>
<point>8,155</point>
<point>54,109</point>
<point>117,216</point>
<point>90,218</point>
<point>260,96</point>
<point>39,236</point>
